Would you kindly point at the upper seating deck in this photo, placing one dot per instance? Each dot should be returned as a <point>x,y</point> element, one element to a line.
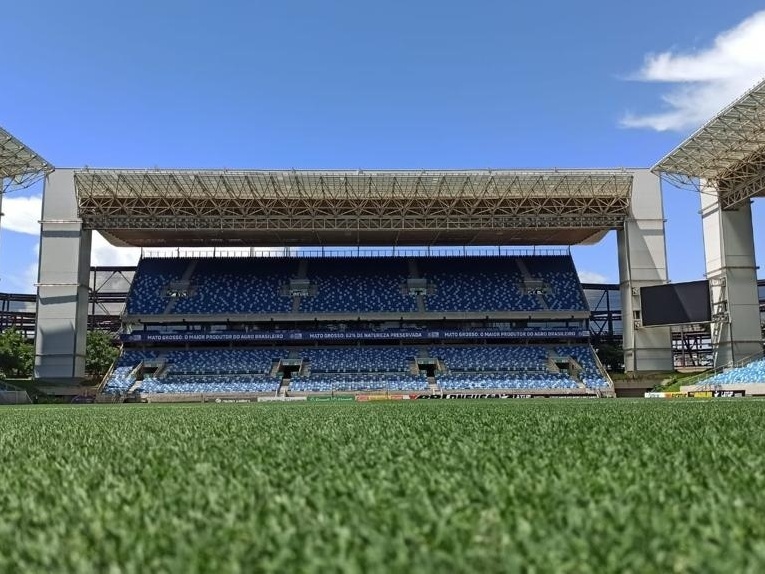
<point>294,286</point>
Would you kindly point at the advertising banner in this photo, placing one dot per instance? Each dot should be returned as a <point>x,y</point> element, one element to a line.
<point>478,396</point>
<point>728,394</point>
<point>311,336</point>
<point>365,398</point>
<point>329,398</point>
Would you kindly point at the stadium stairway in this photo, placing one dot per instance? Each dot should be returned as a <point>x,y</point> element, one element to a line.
<point>574,371</point>
<point>284,386</point>
<point>552,366</point>
<point>302,273</point>
<point>574,374</point>
<point>184,280</point>
<point>414,273</point>
<point>527,279</point>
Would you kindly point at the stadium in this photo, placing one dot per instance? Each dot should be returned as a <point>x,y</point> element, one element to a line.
<point>277,358</point>
<point>288,285</point>
<point>293,325</point>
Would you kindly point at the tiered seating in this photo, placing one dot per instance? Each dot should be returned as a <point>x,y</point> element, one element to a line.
<point>359,359</point>
<point>590,374</point>
<point>504,358</point>
<point>343,382</point>
<point>341,285</point>
<point>753,372</point>
<point>211,384</point>
<point>147,292</point>
<point>121,378</point>
<point>199,371</point>
<point>365,285</point>
<point>513,367</point>
<point>222,361</point>
<point>345,369</point>
<point>355,285</point>
<point>498,367</point>
<point>559,273</point>
<point>475,284</point>
<point>239,285</point>
<point>504,380</point>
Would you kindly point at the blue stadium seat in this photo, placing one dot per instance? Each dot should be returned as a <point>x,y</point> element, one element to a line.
<point>358,285</point>
<point>361,382</point>
<point>492,358</point>
<point>355,285</point>
<point>753,372</point>
<point>590,374</point>
<point>359,359</point>
<point>198,371</point>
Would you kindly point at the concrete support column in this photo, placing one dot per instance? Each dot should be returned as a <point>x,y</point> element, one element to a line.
<point>732,273</point>
<point>62,291</point>
<point>643,263</point>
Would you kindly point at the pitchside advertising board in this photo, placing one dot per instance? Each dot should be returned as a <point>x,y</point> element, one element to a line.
<point>368,398</point>
<point>466,396</point>
<point>717,394</point>
<point>393,335</point>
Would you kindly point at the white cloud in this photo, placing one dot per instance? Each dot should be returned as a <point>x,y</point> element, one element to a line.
<point>592,277</point>
<point>703,81</point>
<point>22,214</point>
<point>104,253</point>
<point>25,280</point>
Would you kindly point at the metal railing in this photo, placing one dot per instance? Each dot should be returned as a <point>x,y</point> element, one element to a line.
<point>709,373</point>
<point>298,252</point>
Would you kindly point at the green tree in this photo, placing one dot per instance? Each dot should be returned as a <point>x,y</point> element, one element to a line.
<point>100,352</point>
<point>17,355</point>
<point>612,357</point>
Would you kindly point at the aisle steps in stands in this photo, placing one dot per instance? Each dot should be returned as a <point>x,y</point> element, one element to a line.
<point>552,366</point>
<point>528,279</point>
<point>302,274</point>
<point>414,273</point>
<point>185,282</point>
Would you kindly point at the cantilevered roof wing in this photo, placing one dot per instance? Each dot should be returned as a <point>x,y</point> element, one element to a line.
<point>728,151</point>
<point>173,207</point>
<point>20,166</point>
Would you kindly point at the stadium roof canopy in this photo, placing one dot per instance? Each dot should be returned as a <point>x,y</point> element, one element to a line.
<point>728,152</point>
<point>19,165</point>
<point>155,208</point>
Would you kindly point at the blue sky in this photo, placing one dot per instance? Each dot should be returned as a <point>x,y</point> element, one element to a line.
<point>371,85</point>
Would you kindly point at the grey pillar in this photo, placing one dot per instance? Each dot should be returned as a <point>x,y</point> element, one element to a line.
<point>62,291</point>
<point>642,263</point>
<point>732,273</point>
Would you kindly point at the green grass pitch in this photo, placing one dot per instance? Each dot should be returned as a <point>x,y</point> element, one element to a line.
<point>414,486</point>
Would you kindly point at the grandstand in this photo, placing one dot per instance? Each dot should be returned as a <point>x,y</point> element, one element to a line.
<point>417,298</point>
<point>178,306</point>
<point>297,325</point>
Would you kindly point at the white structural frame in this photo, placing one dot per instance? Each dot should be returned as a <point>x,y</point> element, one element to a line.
<point>312,206</point>
<point>75,202</point>
<point>726,154</point>
<point>725,161</point>
<point>20,166</point>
